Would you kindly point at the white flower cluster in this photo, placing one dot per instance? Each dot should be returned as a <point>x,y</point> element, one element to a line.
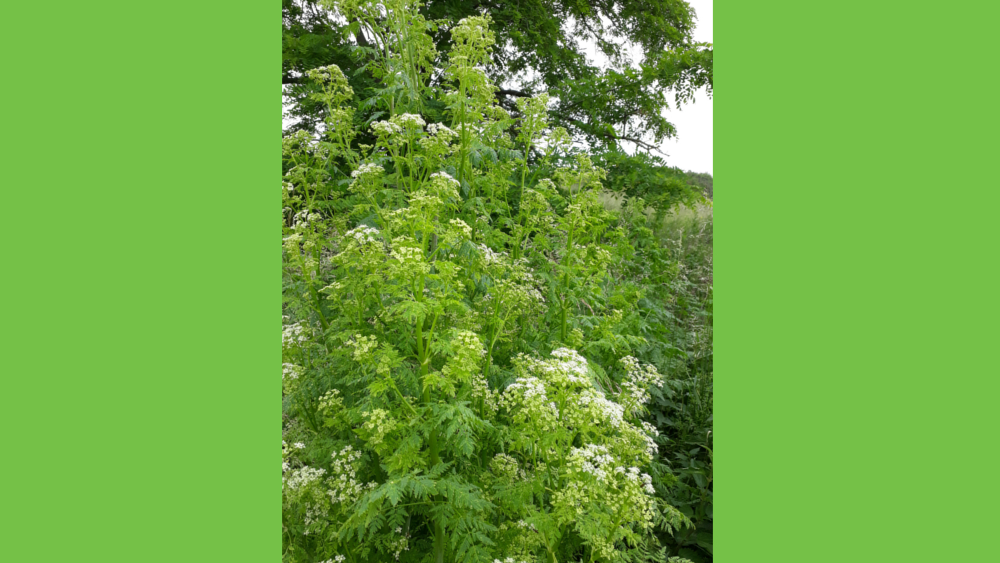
<point>409,120</point>
<point>342,485</point>
<point>595,406</point>
<point>507,560</point>
<point>519,295</point>
<point>593,459</point>
<point>315,512</point>
<point>423,203</point>
<point>299,139</point>
<point>530,389</point>
<point>337,559</point>
<point>332,290</point>
<point>638,379</point>
<point>634,476</point>
<point>323,73</point>
<point>362,235</point>
<point>651,447</point>
<point>386,128</point>
<point>601,257</point>
<point>468,340</point>
<point>491,257</point>
<point>293,335</point>
<point>526,400</point>
<point>407,254</point>
<point>444,176</point>
<point>571,365</point>
<point>368,169</point>
<point>440,130</point>
<point>441,186</point>
<point>650,429</point>
<point>290,371</point>
<point>596,477</point>
<point>302,477</point>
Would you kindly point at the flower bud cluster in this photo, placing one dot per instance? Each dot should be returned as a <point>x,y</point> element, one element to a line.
<point>481,392</point>
<point>296,143</point>
<point>458,231</point>
<point>504,466</point>
<point>444,177</point>
<point>410,259</point>
<point>438,142</point>
<point>304,218</point>
<point>379,424</point>
<point>362,345</point>
<point>330,402</point>
<point>443,186</point>
<point>291,243</point>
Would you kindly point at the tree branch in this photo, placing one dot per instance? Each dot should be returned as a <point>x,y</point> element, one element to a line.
<point>517,93</point>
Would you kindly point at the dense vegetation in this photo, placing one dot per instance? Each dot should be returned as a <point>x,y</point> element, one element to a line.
<point>487,355</point>
<point>615,106</point>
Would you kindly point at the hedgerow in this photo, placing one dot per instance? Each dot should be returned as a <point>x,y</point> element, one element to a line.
<point>481,362</point>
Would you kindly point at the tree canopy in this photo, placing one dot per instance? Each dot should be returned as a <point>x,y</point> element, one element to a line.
<point>615,106</point>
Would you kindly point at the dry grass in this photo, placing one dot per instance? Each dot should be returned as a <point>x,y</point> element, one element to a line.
<point>679,223</point>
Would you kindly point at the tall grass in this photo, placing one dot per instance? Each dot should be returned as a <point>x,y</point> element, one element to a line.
<point>683,289</point>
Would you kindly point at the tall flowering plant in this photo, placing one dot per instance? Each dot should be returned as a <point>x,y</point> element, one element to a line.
<point>435,400</point>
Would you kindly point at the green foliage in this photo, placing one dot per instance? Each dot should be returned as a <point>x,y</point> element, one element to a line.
<point>540,46</point>
<point>481,361</point>
<point>702,180</point>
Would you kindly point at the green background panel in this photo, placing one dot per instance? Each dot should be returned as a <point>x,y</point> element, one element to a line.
<point>856,281</point>
<point>141,282</point>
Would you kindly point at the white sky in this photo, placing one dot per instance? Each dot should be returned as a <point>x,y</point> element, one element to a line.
<point>691,149</point>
